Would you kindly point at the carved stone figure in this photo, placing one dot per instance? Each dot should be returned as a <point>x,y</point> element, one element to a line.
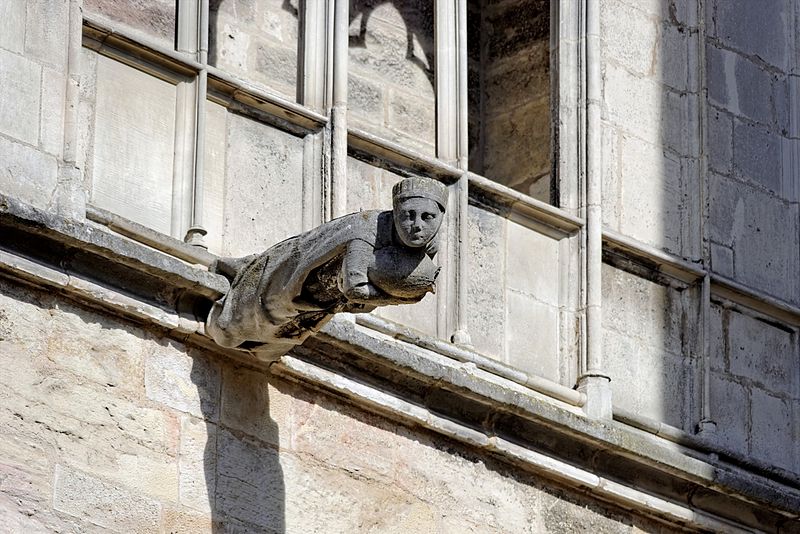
<point>354,263</point>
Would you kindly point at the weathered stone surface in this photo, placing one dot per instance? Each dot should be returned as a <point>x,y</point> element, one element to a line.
<point>52,126</point>
<point>20,81</point>
<point>758,29</point>
<point>653,209</point>
<point>762,353</point>
<point>532,263</point>
<point>720,141</point>
<point>364,98</point>
<point>532,336</point>
<point>250,484</point>
<point>771,434</point>
<point>86,497</point>
<point>27,174</point>
<point>730,409</point>
<point>264,167</point>
<point>486,293</point>
<point>634,49</point>
<point>757,156</point>
<point>722,260</point>
<point>251,405</point>
<point>13,16</point>
<point>413,116</point>
<point>154,18</point>
<point>133,168</point>
<point>275,66</point>
<point>197,463</point>
<point>761,229</point>
<point>46,28</point>
<point>187,381</point>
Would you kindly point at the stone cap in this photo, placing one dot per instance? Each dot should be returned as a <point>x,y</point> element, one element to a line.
<point>417,186</point>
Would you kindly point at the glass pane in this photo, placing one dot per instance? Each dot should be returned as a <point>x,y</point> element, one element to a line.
<point>256,40</point>
<point>155,18</point>
<point>391,71</point>
<point>509,93</point>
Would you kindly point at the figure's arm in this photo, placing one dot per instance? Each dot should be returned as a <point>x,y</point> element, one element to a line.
<point>354,283</point>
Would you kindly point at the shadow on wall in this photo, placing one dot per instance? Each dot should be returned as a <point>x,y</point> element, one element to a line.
<point>243,476</point>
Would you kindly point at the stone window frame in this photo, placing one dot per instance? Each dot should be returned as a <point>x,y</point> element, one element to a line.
<point>314,114</point>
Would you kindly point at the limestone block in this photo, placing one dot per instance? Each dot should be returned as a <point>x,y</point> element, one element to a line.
<point>722,260</point>
<point>486,285</point>
<point>20,82</point>
<point>365,187</point>
<point>229,47</point>
<point>183,380</point>
<point>86,497</point>
<point>197,463</point>
<point>717,338</point>
<point>757,156</point>
<point>642,310</point>
<point>93,348</point>
<point>276,19</point>
<point>671,64</point>
<point>730,410</point>
<point>532,336</point>
<point>756,29</point>
<point>634,49</point>
<point>675,12</point>
<point>51,130</point>
<point>276,67</point>
<point>264,182</point>
<point>517,145</point>
<point>413,115</point>
<point>516,80</point>
<point>365,98</point>
<point>250,485</point>
<point>532,263</point>
<point>46,32</point>
<point>178,521</point>
<point>13,16</point>
<point>26,173</point>
<point>421,316</point>
<point>762,353</point>
<point>154,18</point>
<point>251,405</point>
<point>643,106</point>
<point>652,194</point>
<point>379,53</point>
<point>762,231</point>
<point>612,203</point>
<point>134,145</point>
<point>739,85</point>
<point>214,175</point>
<point>771,432</point>
<point>720,141</point>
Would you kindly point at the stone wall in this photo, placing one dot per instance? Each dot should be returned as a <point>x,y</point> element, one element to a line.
<point>33,82</point>
<point>110,427</point>
<point>735,211</point>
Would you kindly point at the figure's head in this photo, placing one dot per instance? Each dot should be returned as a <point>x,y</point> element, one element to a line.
<point>419,205</point>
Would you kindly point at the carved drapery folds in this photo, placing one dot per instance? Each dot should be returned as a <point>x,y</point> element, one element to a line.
<point>354,263</point>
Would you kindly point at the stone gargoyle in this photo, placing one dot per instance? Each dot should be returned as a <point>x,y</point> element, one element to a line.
<point>354,263</point>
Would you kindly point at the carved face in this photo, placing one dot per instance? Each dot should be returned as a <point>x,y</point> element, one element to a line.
<point>417,220</point>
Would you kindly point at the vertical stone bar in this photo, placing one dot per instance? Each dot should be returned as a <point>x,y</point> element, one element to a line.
<point>314,43</point>
<point>70,199</point>
<point>460,333</point>
<point>338,191</point>
<point>594,382</point>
